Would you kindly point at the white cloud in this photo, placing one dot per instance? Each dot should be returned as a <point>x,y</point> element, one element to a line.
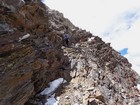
<point>117,18</point>
<point>127,38</point>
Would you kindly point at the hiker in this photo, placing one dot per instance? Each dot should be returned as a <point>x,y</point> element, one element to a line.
<point>67,39</point>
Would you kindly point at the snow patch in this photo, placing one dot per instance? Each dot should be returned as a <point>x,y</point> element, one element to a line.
<point>53,86</point>
<point>52,100</point>
<point>90,39</point>
<point>50,91</point>
<point>138,86</point>
<point>24,37</point>
<point>77,45</point>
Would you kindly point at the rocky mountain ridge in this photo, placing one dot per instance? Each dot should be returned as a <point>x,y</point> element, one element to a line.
<point>32,54</point>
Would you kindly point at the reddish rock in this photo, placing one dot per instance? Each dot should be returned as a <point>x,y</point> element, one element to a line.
<point>7,48</point>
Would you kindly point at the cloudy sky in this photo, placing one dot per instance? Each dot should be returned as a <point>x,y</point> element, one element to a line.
<point>115,21</point>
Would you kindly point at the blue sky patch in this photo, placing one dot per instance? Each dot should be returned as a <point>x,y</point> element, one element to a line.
<point>131,16</point>
<point>124,51</point>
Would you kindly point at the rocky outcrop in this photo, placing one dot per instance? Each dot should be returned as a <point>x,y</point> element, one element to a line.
<point>100,76</point>
<point>28,58</point>
<point>32,54</point>
<point>12,5</point>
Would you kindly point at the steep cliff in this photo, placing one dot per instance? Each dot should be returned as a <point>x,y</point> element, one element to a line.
<point>32,54</point>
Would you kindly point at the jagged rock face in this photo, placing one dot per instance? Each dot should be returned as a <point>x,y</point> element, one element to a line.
<point>100,76</point>
<point>12,4</point>
<point>27,66</point>
<point>31,55</point>
<point>31,37</point>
